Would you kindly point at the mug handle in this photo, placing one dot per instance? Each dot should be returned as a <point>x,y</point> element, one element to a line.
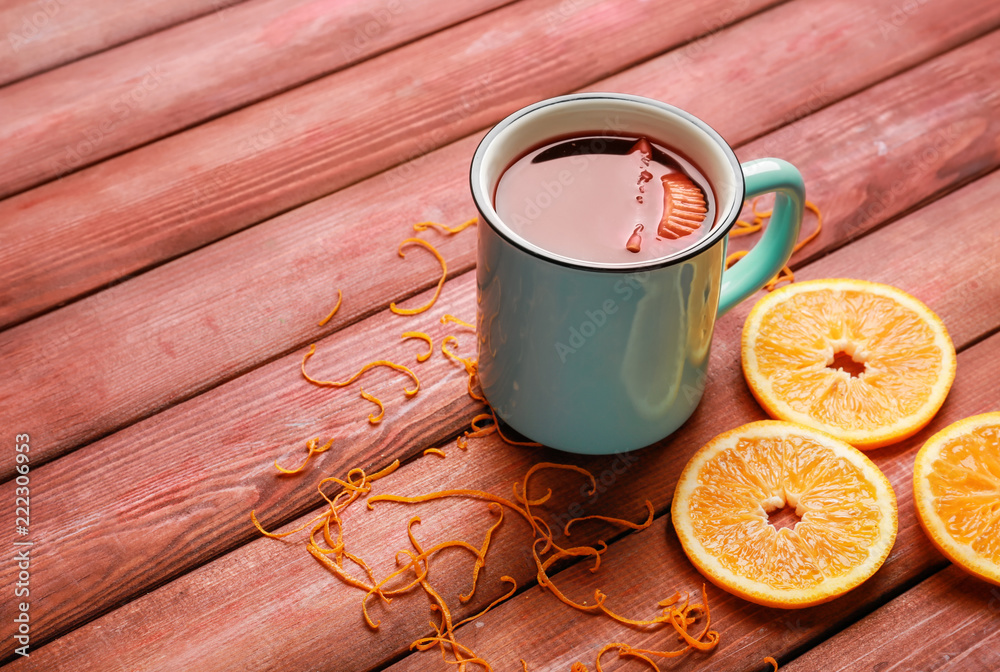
<point>772,251</point>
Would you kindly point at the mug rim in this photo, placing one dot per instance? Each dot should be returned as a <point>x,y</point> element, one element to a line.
<point>726,220</point>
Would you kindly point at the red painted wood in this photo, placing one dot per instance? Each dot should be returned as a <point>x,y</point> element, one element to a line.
<point>223,441</point>
<point>293,255</point>
<point>185,191</point>
<point>948,622</point>
<point>42,35</point>
<point>169,472</point>
<point>167,479</point>
<point>79,114</point>
<point>224,614</point>
<point>789,71</point>
<point>750,632</point>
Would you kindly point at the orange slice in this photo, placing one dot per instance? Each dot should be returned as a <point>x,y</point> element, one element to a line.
<point>865,362</point>
<point>845,505</point>
<point>684,206</point>
<point>956,486</point>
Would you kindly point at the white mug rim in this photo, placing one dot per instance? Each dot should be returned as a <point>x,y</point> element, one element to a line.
<point>484,203</point>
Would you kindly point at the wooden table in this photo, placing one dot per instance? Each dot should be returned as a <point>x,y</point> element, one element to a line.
<point>186,186</point>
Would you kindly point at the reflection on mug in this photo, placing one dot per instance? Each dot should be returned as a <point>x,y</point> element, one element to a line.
<point>654,353</point>
<point>701,302</point>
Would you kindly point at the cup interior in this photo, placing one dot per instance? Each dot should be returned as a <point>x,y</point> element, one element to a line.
<point>617,114</point>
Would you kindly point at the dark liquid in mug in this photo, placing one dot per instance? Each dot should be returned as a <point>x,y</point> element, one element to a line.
<point>603,198</point>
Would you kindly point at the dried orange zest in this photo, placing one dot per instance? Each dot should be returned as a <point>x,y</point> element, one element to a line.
<point>534,502</point>
<point>785,275</point>
<point>311,445</point>
<point>509,441</point>
<point>437,292</point>
<point>441,494</point>
<point>336,569</point>
<point>446,631</point>
<point>384,472</point>
<point>526,500</point>
<point>545,582</point>
<point>708,639</point>
<point>759,215</point>
<point>622,649</point>
<point>430,344</point>
<point>482,553</point>
<point>742,228</point>
<point>634,653</point>
<point>414,564</point>
<point>279,535</point>
<point>374,419</point>
<point>734,257</point>
<point>445,319</point>
<point>340,297</point>
<point>477,430</point>
<point>449,230</point>
<point>506,596</point>
<point>468,363</point>
<point>773,662</point>
<point>673,599</point>
<point>629,621</point>
<point>435,451</point>
<point>617,521</point>
<point>679,617</point>
<point>659,654</point>
<point>819,226</point>
<point>566,467</point>
<point>366,367</point>
<point>473,381</point>
<point>413,567</point>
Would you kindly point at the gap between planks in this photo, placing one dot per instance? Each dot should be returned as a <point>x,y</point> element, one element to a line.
<point>891,637</point>
<point>213,193</point>
<point>195,86</point>
<point>183,383</point>
<point>21,19</point>
<point>931,215</point>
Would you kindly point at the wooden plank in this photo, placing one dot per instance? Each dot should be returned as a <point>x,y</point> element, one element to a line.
<point>75,116</point>
<point>165,199</point>
<point>292,254</point>
<point>750,632</point>
<point>271,412</point>
<point>948,622</point>
<point>206,463</point>
<point>796,71</point>
<point>43,35</point>
<point>225,614</point>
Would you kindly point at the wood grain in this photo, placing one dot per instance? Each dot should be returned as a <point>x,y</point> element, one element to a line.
<point>165,199</point>
<point>43,35</point>
<point>224,614</point>
<point>175,491</point>
<point>312,251</point>
<point>79,114</point>
<point>948,622</point>
<point>806,55</point>
<point>750,632</point>
<point>271,412</point>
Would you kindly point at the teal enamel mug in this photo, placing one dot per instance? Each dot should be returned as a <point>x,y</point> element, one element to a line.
<point>594,357</point>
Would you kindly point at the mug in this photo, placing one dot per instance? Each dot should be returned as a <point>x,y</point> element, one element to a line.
<point>602,358</point>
